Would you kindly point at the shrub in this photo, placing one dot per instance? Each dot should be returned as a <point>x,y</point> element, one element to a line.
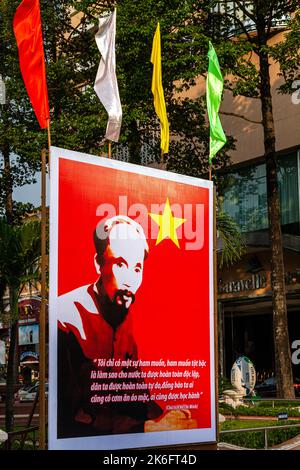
<point>226,409</point>
<point>256,439</point>
<point>264,411</point>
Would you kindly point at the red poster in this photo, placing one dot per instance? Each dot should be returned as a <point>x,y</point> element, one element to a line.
<point>131,306</point>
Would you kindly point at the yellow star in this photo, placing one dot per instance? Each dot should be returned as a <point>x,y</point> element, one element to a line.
<point>168,224</point>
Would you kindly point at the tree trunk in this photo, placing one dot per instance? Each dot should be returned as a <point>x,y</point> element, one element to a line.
<point>12,352</point>
<point>8,186</point>
<point>283,362</point>
<point>134,144</point>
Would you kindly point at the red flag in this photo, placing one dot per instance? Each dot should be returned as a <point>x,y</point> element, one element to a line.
<point>28,32</point>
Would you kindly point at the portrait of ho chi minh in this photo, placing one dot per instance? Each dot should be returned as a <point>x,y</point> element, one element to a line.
<point>96,340</point>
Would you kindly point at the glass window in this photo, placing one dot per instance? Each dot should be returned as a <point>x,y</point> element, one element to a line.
<point>289,189</point>
<point>245,198</point>
<point>234,17</point>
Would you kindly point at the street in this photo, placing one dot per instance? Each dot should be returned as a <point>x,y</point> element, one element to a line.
<point>22,412</point>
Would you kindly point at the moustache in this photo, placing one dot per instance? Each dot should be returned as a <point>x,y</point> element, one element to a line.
<point>124,295</point>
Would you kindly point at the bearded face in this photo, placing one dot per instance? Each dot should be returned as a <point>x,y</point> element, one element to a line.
<point>122,267</point>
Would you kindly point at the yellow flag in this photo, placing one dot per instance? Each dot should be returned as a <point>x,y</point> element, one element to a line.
<point>158,94</point>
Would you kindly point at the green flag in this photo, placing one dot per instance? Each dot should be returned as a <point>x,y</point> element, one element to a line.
<point>214,88</point>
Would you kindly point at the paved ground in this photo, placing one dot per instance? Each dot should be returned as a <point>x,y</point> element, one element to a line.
<point>292,444</point>
<point>22,411</point>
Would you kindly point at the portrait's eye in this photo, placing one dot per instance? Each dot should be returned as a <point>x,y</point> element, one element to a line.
<point>137,269</point>
<point>120,264</point>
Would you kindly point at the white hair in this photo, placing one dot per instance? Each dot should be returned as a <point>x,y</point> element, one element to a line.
<point>102,232</point>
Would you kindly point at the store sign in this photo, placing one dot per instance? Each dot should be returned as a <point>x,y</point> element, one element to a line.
<point>256,281</point>
<point>28,354</point>
<point>243,375</point>
<point>281,416</point>
<point>28,334</point>
<point>29,309</point>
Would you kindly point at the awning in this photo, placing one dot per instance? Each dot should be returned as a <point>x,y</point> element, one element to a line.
<point>34,361</point>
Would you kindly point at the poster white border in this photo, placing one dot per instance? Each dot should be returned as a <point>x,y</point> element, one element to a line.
<point>118,441</point>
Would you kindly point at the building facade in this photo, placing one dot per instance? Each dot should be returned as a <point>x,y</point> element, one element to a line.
<point>244,290</point>
<point>28,336</point>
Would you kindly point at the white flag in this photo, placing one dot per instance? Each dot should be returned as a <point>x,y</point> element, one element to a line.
<point>106,85</point>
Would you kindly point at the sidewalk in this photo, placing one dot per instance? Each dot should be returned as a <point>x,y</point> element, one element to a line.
<point>291,444</point>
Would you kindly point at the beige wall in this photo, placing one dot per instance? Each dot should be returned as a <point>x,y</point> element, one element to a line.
<point>248,135</point>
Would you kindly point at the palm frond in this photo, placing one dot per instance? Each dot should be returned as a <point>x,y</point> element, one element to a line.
<point>19,255</point>
<point>233,243</point>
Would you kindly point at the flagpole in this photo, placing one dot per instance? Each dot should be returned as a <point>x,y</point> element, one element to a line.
<point>27,28</point>
<point>49,140</point>
<point>109,149</point>
<point>44,264</point>
<point>42,338</point>
<point>215,287</point>
<point>209,172</point>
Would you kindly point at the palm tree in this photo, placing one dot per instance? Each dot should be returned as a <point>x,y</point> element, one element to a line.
<point>19,255</point>
<point>232,240</point>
